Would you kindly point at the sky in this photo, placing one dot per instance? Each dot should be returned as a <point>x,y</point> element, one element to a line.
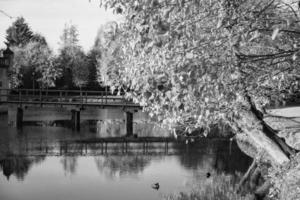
<point>48,17</point>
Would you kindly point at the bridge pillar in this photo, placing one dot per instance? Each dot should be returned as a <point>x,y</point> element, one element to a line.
<point>129,123</point>
<point>19,118</point>
<point>75,119</point>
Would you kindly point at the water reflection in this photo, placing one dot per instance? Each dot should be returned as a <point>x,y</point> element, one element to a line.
<point>208,155</point>
<point>116,176</point>
<point>18,165</point>
<point>69,164</point>
<point>121,166</point>
<point>107,127</point>
<point>47,163</point>
<point>94,122</point>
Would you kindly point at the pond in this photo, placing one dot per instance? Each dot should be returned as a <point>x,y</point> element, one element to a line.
<point>42,162</point>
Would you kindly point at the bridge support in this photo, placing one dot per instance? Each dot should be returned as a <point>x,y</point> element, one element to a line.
<point>129,123</point>
<point>19,118</point>
<point>75,120</point>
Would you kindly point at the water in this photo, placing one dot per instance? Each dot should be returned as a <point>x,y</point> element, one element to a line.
<point>42,163</point>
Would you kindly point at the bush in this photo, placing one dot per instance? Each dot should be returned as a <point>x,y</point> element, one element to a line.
<point>286,180</point>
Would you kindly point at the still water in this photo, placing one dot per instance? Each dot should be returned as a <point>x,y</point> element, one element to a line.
<point>43,163</point>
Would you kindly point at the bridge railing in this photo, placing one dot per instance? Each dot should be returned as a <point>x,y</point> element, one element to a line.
<point>66,97</point>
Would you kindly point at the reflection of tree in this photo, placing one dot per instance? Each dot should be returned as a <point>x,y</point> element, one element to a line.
<point>147,128</point>
<point>213,155</point>
<point>18,165</point>
<point>110,128</point>
<point>69,164</point>
<point>114,166</point>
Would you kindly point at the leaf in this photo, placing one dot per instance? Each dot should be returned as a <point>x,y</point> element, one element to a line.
<point>189,55</point>
<point>275,33</point>
<point>220,22</point>
<point>168,94</point>
<point>254,36</point>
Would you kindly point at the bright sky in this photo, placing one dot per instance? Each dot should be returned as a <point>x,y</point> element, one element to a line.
<point>48,18</point>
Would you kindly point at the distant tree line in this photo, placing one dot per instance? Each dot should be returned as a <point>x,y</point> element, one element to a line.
<point>36,66</point>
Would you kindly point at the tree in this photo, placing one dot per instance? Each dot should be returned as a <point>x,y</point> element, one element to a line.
<point>194,63</point>
<point>72,59</point>
<point>92,60</point>
<point>80,70</point>
<point>19,33</point>
<point>109,43</point>
<point>34,64</point>
<point>69,38</point>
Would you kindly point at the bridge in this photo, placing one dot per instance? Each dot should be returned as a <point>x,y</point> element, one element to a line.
<point>79,98</point>
<point>75,100</point>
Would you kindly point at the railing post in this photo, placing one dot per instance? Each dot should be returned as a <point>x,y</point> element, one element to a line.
<point>60,96</point>
<point>81,98</point>
<point>86,97</point>
<point>105,94</point>
<point>46,94</point>
<point>106,97</point>
<point>20,96</point>
<point>40,96</point>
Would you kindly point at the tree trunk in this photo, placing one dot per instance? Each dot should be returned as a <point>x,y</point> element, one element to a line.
<point>266,144</point>
<point>250,122</point>
<point>247,175</point>
<point>270,132</point>
<point>263,190</point>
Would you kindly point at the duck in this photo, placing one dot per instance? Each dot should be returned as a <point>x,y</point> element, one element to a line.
<point>155,186</point>
<point>208,175</point>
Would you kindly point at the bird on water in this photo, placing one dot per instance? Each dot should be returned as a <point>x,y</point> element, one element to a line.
<point>155,186</point>
<point>208,175</point>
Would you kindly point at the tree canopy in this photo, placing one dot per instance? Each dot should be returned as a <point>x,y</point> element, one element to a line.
<point>194,63</point>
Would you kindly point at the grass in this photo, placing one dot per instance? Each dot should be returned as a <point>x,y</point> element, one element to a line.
<point>218,187</point>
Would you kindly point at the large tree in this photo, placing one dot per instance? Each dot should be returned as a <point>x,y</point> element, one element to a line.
<point>72,60</point>
<point>194,63</point>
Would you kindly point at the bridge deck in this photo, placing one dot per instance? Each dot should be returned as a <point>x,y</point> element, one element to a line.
<point>64,98</point>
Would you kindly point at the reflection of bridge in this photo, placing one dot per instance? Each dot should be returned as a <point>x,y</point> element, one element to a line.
<point>75,100</point>
<point>101,146</point>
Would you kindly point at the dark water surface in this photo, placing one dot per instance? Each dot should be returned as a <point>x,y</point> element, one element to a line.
<point>37,163</point>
